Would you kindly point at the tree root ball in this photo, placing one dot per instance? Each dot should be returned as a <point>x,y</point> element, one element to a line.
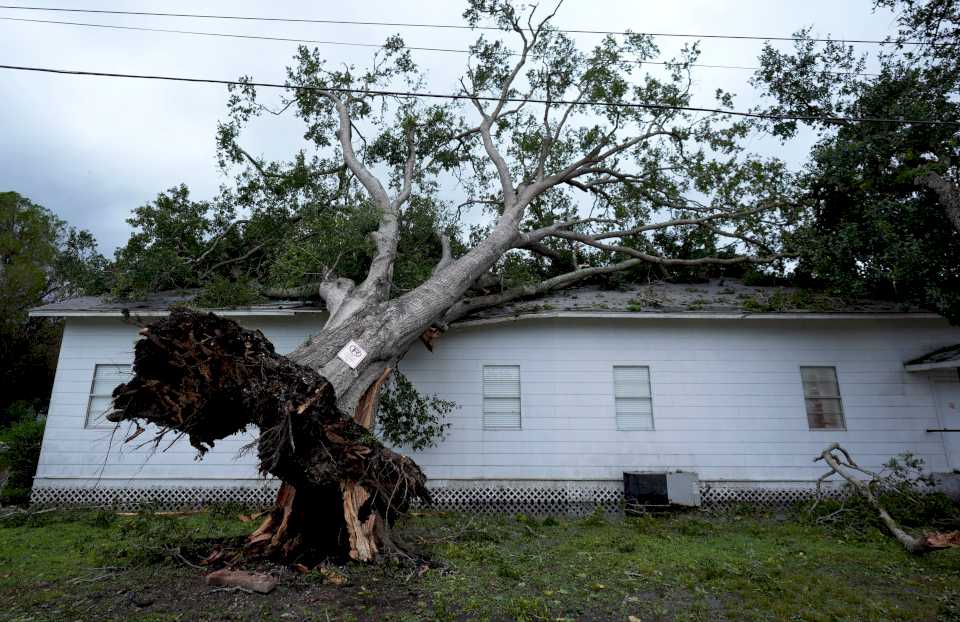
<point>207,378</point>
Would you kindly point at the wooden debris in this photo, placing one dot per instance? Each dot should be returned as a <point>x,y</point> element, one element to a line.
<point>254,582</point>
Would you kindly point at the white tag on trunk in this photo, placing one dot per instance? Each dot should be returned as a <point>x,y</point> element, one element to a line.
<point>352,354</point>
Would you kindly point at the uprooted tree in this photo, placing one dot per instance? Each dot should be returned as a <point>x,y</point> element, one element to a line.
<point>580,161</point>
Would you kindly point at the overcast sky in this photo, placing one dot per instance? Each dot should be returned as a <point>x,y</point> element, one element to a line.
<point>92,149</point>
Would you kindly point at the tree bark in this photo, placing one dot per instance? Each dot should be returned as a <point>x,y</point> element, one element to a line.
<point>207,378</point>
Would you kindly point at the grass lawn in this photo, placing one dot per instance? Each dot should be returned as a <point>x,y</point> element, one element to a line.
<point>94,565</point>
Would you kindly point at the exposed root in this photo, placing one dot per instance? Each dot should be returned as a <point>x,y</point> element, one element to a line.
<point>208,378</point>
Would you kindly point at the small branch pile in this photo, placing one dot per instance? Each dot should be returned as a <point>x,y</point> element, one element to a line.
<point>206,377</point>
<point>840,463</point>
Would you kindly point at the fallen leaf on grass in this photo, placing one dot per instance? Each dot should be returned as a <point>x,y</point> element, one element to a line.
<point>332,576</point>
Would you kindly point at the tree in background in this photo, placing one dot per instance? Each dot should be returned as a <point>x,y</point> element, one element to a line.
<point>41,260</point>
<point>885,197</point>
<point>571,164</point>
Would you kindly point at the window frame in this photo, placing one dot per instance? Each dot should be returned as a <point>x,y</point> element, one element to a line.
<point>653,422</point>
<point>483,396</point>
<point>89,419</point>
<point>838,397</point>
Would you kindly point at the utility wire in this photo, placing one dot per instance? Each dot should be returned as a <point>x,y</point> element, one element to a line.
<point>302,20</point>
<point>451,96</point>
<point>347,43</point>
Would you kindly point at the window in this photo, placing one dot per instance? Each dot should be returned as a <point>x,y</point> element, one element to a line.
<point>105,379</point>
<point>501,397</point>
<point>821,391</point>
<point>632,401</point>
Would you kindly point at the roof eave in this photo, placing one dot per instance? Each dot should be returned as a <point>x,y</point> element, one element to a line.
<point>113,313</point>
<point>932,366</point>
<point>686,315</point>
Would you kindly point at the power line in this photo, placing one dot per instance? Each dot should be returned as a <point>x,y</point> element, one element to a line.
<point>303,20</point>
<point>344,43</point>
<point>451,96</point>
<point>226,35</point>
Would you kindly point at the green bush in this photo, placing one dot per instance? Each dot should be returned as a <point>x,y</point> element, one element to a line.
<point>19,454</point>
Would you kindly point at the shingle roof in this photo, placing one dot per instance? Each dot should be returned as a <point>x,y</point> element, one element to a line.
<point>158,304</point>
<point>717,297</point>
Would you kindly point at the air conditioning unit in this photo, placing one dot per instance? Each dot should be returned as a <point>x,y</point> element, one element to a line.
<point>649,491</point>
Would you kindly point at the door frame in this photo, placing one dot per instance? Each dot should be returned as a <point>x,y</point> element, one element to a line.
<point>952,458</point>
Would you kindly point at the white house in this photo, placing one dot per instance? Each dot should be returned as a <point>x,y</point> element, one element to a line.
<point>558,397</point>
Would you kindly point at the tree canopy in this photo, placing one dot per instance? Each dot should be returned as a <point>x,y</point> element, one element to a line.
<point>609,167</point>
<point>884,197</point>
<point>41,260</point>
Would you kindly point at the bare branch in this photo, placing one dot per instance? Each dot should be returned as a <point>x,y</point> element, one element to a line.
<point>344,134</point>
<point>218,239</point>
<point>334,292</point>
<point>469,305</point>
<point>683,221</point>
<point>846,467</point>
<point>232,260</point>
<point>659,259</point>
<point>408,170</point>
<point>446,254</point>
<point>543,250</point>
<point>538,234</point>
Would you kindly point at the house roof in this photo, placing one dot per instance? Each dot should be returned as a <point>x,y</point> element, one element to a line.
<point>715,299</point>
<point>944,358</point>
<point>159,304</point>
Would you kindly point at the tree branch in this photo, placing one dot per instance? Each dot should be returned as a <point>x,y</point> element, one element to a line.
<point>469,305</point>
<point>661,260</point>
<point>446,254</point>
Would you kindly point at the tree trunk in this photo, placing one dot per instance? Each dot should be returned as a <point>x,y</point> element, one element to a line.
<point>206,377</point>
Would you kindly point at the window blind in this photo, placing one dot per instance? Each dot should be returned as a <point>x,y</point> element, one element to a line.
<point>821,393</point>
<point>501,396</point>
<point>632,400</point>
<point>105,378</point>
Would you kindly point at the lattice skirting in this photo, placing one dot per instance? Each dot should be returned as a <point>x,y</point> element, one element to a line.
<point>539,498</point>
<point>175,498</point>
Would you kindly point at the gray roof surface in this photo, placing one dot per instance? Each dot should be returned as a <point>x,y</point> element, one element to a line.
<point>714,297</point>
<point>718,296</point>
<point>157,303</point>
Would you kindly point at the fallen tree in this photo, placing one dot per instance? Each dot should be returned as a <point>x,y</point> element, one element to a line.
<point>579,167</point>
<point>207,378</point>
<point>842,464</point>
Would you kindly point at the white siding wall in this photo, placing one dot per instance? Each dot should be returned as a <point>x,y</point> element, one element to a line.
<point>727,397</point>
<point>727,400</point>
<point>73,455</point>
